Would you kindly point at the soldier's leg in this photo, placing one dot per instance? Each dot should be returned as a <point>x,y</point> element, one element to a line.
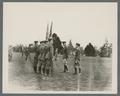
<point>51,68</point>
<point>38,66</point>
<point>79,67</point>
<point>75,68</point>
<point>45,67</point>
<point>35,65</point>
<point>65,65</point>
<point>41,67</point>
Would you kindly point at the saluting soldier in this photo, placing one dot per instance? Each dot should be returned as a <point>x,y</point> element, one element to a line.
<point>77,59</point>
<point>36,56</point>
<point>65,57</point>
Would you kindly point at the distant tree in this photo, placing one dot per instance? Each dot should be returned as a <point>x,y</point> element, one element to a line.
<point>106,49</point>
<point>81,50</point>
<point>89,50</point>
<point>97,52</point>
<point>70,47</point>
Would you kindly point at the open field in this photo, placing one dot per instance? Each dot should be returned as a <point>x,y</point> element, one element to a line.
<point>96,75</point>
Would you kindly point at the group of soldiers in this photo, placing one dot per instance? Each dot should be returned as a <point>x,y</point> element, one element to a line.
<point>44,57</point>
<point>77,66</point>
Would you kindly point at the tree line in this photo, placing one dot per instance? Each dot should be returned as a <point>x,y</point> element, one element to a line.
<point>90,50</point>
<point>104,51</point>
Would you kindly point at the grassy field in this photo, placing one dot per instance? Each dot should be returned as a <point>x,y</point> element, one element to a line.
<point>95,76</point>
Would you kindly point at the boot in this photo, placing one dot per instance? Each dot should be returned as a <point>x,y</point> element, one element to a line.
<point>79,70</point>
<point>75,71</point>
<point>34,69</point>
<point>64,68</point>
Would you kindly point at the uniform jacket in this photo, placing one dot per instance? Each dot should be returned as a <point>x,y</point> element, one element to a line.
<point>41,51</point>
<point>36,51</point>
<point>77,54</point>
<point>65,52</point>
<point>49,52</point>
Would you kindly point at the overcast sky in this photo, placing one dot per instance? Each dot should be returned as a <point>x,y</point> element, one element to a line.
<point>79,22</point>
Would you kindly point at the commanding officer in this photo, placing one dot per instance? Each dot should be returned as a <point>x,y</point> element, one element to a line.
<point>77,59</point>
<point>65,56</point>
<point>36,56</point>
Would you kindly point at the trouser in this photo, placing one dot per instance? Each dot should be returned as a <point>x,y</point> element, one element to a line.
<point>42,67</point>
<point>35,64</point>
<point>65,65</point>
<point>77,66</point>
<point>49,67</point>
<point>39,66</point>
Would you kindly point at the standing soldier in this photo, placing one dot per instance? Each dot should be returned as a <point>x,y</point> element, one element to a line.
<point>49,58</point>
<point>77,59</point>
<point>40,59</point>
<point>27,52</point>
<point>36,56</point>
<point>65,57</point>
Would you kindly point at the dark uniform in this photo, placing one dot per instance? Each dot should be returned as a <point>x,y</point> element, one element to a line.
<point>36,56</point>
<point>65,57</point>
<point>77,59</point>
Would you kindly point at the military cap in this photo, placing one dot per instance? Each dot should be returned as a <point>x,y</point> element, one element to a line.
<point>45,41</point>
<point>35,41</point>
<point>41,41</point>
<point>78,44</point>
<point>30,44</point>
<point>63,42</point>
<point>49,39</point>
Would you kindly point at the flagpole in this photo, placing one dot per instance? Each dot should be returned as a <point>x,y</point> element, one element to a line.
<point>51,29</point>
<point>47,32</point>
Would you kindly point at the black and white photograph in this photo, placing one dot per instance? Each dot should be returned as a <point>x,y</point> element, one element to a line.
<point>60,47</point>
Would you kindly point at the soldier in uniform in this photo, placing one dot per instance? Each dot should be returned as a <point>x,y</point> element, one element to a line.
<point>65,56</point>
<point>27,52</point>
<point>77,59</point>
<point>36,56</point>
<point>49,58</point>
<point>41,58</point>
